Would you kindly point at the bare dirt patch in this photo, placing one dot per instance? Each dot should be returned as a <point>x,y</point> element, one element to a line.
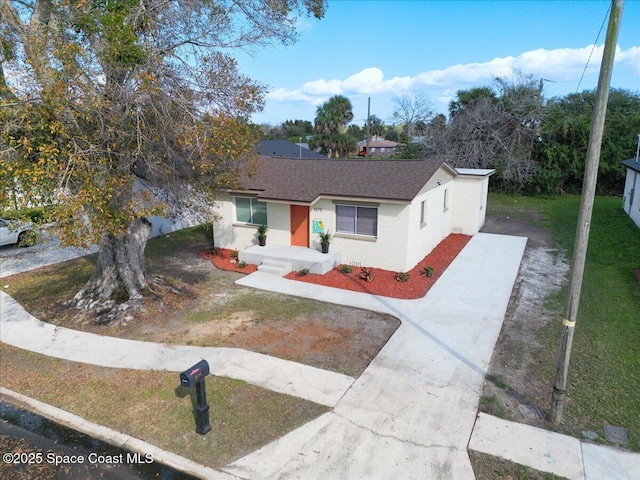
<point>211,310</point>
<point>543,272</point>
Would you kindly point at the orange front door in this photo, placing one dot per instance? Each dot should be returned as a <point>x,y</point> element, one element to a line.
<point>300,225</point>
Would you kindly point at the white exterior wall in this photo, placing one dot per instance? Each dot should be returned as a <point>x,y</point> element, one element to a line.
<point>469,204</point>
<point>278,221</point>
<point>229,234</point>
<point>632,181</point>
<point>387,251</point>
<point>324,212</point>
<point>423,237</point>
<point>162,225</point>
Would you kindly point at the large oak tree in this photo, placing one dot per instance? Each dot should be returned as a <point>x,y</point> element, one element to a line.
<point>113,110</point>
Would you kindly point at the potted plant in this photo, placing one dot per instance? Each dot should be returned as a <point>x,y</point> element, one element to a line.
<point>325,239</point>
<point>262,235</point>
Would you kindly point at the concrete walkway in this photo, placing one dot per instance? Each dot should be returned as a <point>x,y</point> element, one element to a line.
<point>410,414</point>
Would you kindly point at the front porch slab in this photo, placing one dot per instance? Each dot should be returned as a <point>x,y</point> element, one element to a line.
<point>299,257</point>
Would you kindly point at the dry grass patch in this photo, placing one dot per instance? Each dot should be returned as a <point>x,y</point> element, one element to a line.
<point>152,407</point>
<point>488,467</point>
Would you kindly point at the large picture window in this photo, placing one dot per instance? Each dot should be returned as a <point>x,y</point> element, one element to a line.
<point>357,220</point>
<point>251,210</point>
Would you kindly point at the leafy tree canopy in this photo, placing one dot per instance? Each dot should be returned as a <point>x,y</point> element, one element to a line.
<point>114,109</point>
<point>297,128</point>
<point>535,145</point>
<point>562,149</point>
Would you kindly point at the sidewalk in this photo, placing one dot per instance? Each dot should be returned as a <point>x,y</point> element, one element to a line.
<point>552,452</point>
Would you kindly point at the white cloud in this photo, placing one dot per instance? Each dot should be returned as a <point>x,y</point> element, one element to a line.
<point>323,87</point>
<point>558,64</point>
<point>631,56</point>
<point>561,67</point>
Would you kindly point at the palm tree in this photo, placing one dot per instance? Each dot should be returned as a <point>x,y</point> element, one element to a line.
<point>466,98</point>
<point>332,117</point>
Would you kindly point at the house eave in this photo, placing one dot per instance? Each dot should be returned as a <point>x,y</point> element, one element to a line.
<point>398,201</point>
<point>632,164</point>
<point>475,172</point>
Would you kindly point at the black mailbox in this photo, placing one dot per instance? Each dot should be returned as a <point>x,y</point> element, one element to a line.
<point>194,377</point>
<point>195,374</point>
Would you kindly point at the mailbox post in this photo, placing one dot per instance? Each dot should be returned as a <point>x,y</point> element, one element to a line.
<point>195,376</point>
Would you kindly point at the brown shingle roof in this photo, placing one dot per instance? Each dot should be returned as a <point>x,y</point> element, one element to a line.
<point>298,180</point>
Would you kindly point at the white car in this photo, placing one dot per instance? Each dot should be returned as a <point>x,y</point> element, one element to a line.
<point>12,232</point>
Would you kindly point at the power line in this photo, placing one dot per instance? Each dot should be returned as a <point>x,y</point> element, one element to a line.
<point>604,20</point>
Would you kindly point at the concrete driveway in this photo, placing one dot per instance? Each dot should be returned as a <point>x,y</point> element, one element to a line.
<point>411,413</point>
<point>46,251</point>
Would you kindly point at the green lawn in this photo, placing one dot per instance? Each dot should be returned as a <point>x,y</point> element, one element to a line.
<point>604,376</point>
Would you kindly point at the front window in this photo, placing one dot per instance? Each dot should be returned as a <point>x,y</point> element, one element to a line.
<point>251,210</point>
<point>357,220</point>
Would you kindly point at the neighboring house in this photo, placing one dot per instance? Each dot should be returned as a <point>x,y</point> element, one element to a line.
<point>378,148</point>
<point>284,148</point>
<point>387,214</point>
<point>631,202</point>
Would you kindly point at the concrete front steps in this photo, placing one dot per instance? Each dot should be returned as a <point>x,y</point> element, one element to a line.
<point>275,266</point>
<point>277,258</point>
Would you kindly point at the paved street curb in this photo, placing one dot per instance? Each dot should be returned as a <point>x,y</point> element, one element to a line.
<point>112,437</point>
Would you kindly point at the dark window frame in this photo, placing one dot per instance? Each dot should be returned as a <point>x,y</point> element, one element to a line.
<point>252,210</point>
<point>355,230</point>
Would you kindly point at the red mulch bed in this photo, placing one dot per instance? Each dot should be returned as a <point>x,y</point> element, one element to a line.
<point>221,258</point>
<point>384,282</point>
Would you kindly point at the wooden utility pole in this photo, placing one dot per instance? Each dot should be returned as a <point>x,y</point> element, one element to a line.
<point>584,216</point>
<point>368,126</point>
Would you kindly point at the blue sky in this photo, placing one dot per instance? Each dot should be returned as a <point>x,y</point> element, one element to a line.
<point>381,49</point>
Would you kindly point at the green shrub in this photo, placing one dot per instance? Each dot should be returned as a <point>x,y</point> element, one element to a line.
<point>402,277</point>
<point>346,269</point>
<point>428,271</point>
<point>303,272</point>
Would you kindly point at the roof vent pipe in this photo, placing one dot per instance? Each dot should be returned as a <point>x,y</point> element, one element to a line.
<point>638,148</point>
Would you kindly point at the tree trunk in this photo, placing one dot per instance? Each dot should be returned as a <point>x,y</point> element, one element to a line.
<point>119,281</point>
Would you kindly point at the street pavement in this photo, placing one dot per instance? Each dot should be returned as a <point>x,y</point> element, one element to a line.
<point>412,412</point>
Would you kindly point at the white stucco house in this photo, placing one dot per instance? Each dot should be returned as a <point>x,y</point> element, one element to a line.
<point>382,213</point>
<point>631,202</point>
